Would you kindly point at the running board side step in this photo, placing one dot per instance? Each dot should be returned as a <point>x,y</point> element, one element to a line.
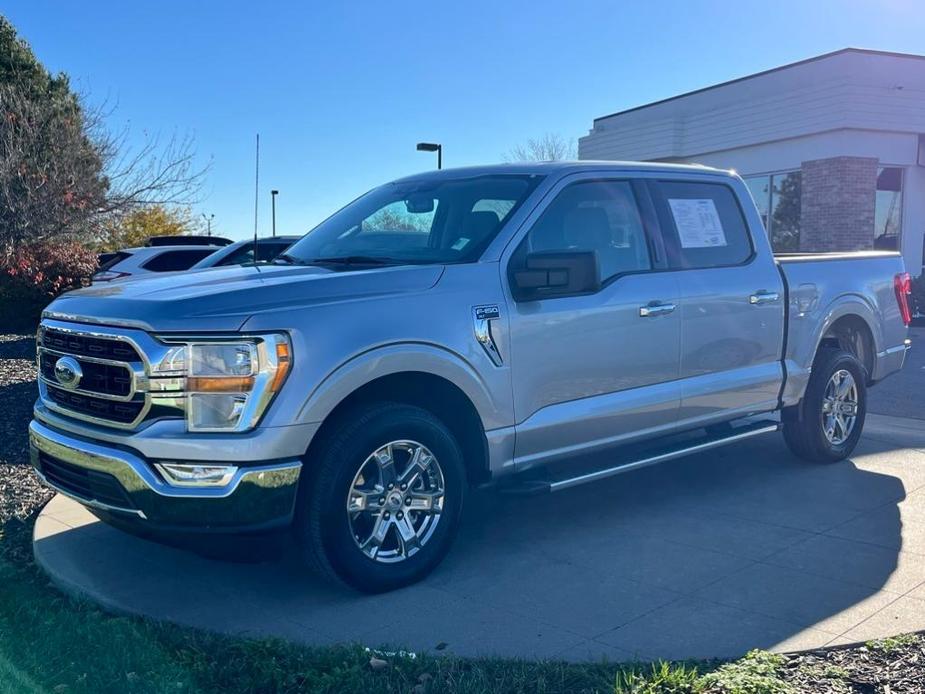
<point>651,457</point>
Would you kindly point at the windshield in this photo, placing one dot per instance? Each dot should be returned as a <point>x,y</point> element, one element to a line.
<point>423,221</point>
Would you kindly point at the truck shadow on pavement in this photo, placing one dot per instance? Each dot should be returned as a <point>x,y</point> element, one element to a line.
<point>709,556</point>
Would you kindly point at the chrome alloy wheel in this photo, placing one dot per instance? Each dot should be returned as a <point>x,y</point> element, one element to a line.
<point>839,407</point>
<point>395,501</point>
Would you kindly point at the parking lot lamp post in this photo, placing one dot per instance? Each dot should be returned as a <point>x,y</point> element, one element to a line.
<point>432,147</point>
<point>273,194</point>
<point>208,218</point>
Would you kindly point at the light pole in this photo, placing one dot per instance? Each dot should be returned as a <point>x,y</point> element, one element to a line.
<point>432,147</point>
<point>273,194</point>
<point>208,218</point>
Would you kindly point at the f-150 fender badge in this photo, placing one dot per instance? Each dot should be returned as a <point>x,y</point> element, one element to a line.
<point>482,317</point>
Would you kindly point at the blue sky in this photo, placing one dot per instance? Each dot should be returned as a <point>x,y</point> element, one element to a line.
<point>341,91</point>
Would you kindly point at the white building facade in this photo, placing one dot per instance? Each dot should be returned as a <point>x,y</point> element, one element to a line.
<point>832,148</point>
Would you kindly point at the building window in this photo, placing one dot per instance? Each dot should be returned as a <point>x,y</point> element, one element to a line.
<point>778,197</point>
<point>786,194</point>
<point>760,187</point>
<point>888,210</point>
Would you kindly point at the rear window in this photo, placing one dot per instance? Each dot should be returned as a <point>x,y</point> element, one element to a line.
<point>171,261</point>
<point>107,260</point>
<point>703,224</point>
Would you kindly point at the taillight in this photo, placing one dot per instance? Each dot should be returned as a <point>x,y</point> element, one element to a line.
<point>902,285</point>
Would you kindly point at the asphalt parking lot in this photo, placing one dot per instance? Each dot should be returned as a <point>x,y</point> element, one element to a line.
<point>707,556</point>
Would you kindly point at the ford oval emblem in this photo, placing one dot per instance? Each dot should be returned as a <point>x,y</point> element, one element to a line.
<point>68,373</point>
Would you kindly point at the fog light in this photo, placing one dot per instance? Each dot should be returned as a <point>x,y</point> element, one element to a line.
<point>193,475</point>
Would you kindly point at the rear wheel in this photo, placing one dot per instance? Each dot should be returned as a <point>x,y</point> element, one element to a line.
<point>827,424</point>
<point>382,501</point>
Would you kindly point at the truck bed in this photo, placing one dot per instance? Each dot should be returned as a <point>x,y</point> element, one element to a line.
<point>825,287</point>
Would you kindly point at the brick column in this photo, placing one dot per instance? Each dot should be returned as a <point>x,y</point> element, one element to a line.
<point>837,209</point>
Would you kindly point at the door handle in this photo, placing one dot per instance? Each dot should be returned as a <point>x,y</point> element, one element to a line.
<point>764,297</point>
<point>655,308</point>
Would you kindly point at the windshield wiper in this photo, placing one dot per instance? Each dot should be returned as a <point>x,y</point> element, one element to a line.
<point>286,259</point>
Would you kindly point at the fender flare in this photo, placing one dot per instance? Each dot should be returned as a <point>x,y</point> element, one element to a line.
<point>848,305</point>
<point>395,358</point>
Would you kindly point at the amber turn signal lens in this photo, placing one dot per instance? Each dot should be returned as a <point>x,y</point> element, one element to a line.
<point>220,384</point>
<point>282,366</point>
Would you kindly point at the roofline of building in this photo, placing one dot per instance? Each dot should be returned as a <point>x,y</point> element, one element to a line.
<point>863,51</point>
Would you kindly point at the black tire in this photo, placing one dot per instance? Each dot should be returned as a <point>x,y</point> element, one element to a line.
<point>322,527</point>
<point>804,425</point>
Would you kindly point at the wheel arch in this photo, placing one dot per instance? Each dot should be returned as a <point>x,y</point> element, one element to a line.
<point>852,316</point>
<point>448,388</point>
<point>853,334</point>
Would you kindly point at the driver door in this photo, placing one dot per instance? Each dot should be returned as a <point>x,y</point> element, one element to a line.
<point>594,370</point>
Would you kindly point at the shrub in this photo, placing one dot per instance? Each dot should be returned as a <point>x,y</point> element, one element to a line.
<point>757,673</point>
<point>31,275</point>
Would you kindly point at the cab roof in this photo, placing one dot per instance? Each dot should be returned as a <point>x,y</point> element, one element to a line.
<point>545,168</point>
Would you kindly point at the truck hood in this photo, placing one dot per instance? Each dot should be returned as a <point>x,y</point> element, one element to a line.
<point>223,299</point>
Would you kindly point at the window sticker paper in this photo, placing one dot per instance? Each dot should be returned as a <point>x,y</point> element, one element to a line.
<point>698,223</point>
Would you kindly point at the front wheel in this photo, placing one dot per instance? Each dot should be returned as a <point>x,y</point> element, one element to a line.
<point>382,501</point>
<point>826,425</point>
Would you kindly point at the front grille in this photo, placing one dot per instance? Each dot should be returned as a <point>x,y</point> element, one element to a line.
<point>88,346</point>
<point>107,379</point>
<point>106,390</point>
<point>114,410</point>
<point>86,484</point>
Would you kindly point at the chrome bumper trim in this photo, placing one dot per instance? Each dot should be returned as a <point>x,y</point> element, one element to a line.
<point>906,345</point>
<point>89,502</point>
<point>135,474</point>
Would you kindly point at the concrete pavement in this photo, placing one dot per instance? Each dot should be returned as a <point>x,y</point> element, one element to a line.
<point>707,556</point>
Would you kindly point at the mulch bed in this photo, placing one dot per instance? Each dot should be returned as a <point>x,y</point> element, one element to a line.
<point>21,494</point>
<point>886,666</point>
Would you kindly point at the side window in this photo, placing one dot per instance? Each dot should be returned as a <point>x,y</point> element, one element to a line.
<point>703,223</point>
<point>600,216</point>
<point>244,254</point>
<point>171,261</point>
<point>268,250</point>
<point>500,208</point>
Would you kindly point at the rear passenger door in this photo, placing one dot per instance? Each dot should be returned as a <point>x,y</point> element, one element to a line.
<point>599,368</point>
<point>732,302</point>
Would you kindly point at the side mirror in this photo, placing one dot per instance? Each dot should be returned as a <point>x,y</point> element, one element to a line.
<point>550,274</point>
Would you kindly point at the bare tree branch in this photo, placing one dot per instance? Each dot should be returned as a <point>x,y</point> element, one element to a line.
<point>549,147</point>
<point>65,173</point>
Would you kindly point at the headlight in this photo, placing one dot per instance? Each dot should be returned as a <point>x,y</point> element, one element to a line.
<point>229,383</point>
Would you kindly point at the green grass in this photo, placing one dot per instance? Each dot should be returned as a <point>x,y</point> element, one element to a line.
<point>659,678</point>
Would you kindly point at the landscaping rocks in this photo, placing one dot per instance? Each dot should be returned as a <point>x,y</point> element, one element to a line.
<point>21,493</point>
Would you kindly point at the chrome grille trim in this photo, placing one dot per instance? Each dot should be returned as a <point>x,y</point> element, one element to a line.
<point>133,373</point>
<point>148,391</point>
<point>88,346</point>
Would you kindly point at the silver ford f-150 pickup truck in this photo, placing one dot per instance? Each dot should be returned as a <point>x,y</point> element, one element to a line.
<point>452,329</point>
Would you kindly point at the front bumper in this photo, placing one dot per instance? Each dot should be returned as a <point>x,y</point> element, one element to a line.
<point>123,486</point>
